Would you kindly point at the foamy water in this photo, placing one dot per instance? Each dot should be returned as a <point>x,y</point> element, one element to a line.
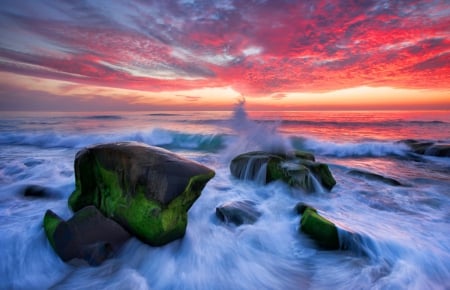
<point>403,231</point>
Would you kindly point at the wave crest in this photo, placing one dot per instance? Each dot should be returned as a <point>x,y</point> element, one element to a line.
<point>351,149</point>
<point>157,137</point>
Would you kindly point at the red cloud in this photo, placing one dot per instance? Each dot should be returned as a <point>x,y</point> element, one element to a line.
<point>258,49</point>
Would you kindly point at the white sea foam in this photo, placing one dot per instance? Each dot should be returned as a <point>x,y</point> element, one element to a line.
<point>355,149</point>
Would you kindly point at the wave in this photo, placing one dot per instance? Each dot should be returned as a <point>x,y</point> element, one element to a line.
<point>351,149</point>
<point>157,137</point>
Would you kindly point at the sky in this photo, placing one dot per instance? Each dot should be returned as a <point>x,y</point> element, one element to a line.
<point>207,54</point>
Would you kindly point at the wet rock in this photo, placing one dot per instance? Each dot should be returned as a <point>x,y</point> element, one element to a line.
<point>88,235</point>
<point>147,190</point>
<point>297,169</point>
<point>39,191</point>
<point>238,212</point>
<point>428,148</point>
<point>323,231</point>
<point>417,147</point>
<point>439,150</point>
<point>375,177</point>
<point>328,235</point>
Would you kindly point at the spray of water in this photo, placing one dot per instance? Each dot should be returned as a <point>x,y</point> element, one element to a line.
<point>256,136</point>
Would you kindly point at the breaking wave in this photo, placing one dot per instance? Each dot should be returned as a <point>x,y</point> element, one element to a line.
<point>157,137</point>
<point>351,149</point>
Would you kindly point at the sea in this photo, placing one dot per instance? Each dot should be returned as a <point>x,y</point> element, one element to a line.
<point>404,231</point>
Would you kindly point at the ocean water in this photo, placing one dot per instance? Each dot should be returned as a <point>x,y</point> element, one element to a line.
<point>404,230</point>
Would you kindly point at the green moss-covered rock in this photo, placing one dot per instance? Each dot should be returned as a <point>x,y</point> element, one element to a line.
<point>296,168</point>
<point>321,171</point>
<point>146,189</point>
<point>51,222</point>
<point>323,231</point>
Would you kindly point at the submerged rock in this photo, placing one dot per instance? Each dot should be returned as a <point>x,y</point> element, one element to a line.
<point>323,231</point>
<point>428,148</point>
<point>375,177</point>
<point>329,236</point>
<point>238,212</point>
<point>439,150</point>
<point>297,169</point>
<point>88,235</point>
<point>39,191</point>
<point>147,190</point>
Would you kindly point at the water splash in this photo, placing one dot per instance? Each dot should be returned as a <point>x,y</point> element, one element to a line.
<point>256,136</point>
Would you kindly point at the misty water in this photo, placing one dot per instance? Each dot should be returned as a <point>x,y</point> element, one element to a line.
<point>404,233</point>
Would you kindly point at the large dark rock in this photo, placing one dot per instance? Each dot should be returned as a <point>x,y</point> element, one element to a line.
<point>148,190</point>
<point>238,212</point>
<point>88,235</point>
<point>297,169</point>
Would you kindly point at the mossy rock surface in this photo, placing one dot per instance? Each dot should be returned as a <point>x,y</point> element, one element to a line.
<point>323,231</point>
<point>51,222</point>
<point>148,190</point>
<point>297,168</point>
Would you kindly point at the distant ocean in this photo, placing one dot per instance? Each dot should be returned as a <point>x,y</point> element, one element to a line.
<point>405,229</point>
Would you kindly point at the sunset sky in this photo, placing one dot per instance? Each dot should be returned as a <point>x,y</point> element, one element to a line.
<point>189,54</point>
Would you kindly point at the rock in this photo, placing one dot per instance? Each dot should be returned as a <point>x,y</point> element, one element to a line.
<point>39,191</point>
<point>417,147</point>
<point>297,169</point>
<point>439,150</point>
<point>51,222</point>
<point>328,235</point>
<point>147,190</point>
<point>374,176</point>
<point>321,172</point>
<point>301,207</point>
<point>238,212</point>
<point>88,235</point>
<point>428,148</point>
<point>323,231</point>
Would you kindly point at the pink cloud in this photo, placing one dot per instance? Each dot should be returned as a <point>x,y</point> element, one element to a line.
<point>258,48</point>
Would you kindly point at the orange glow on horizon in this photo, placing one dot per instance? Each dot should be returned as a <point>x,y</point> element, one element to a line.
<point>224,98</point>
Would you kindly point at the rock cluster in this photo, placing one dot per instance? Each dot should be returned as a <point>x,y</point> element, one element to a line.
<point>297,169</point>
<point>143,189</point>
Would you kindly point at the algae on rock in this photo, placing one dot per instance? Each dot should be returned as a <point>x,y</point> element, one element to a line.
<point>297,168</point>
<point>323,231</point>
<point>148,190</point>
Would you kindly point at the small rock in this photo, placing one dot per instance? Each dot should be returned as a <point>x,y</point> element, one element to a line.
<point>238,212</point>
<point>375,177</point>
<point>39,191</point>
<point>323,231</point>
